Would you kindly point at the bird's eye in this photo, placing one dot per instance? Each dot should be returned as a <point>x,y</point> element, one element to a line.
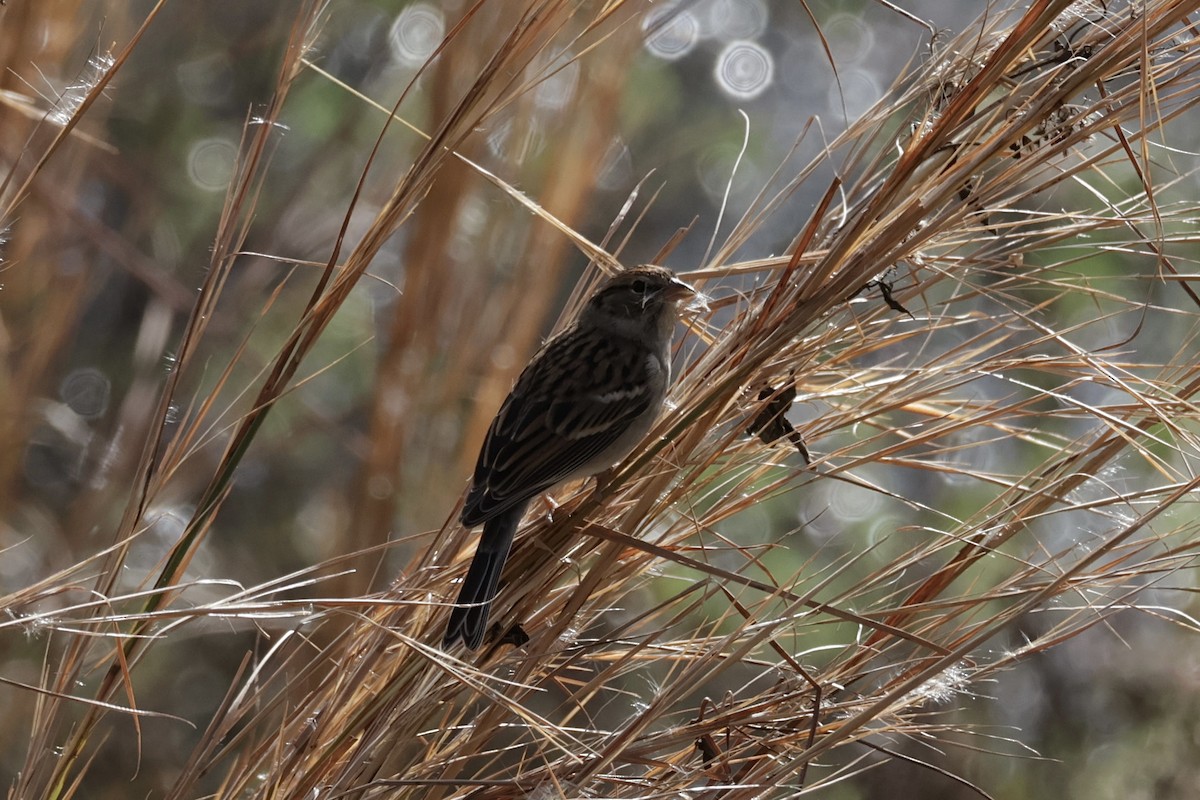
<point>639,286</point>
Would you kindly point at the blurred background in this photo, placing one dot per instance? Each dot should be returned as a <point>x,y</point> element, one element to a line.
<point>694,104</point>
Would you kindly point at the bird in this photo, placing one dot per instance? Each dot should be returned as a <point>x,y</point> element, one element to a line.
<point>583,402</point>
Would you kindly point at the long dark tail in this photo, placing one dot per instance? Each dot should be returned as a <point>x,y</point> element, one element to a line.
<point>468,618</point>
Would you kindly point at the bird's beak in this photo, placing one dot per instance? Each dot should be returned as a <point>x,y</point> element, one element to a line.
<point>678,290</point>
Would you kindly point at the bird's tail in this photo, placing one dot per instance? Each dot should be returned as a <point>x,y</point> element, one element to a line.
<point>469,617</point>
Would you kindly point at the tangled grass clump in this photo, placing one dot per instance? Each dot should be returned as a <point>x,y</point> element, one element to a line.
<point>978,441</point>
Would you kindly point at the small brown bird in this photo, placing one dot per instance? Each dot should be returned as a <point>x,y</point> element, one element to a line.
<point>581,405</point>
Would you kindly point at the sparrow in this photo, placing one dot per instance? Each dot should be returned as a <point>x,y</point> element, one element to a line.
<point>584,401</point>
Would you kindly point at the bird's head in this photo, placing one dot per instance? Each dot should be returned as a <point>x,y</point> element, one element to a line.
<point>642,302</point>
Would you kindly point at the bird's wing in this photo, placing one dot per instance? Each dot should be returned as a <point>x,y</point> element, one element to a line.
<point>574,400</point>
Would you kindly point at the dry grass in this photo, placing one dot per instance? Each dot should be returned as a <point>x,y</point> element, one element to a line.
<point>670,653</point>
